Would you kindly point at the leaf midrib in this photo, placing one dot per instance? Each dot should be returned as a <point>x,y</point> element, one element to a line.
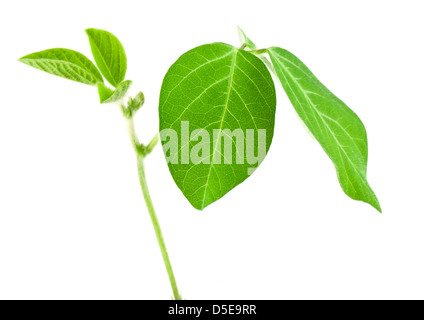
<point>230,86</point>
<point>325,123</point>
<point>61,62</point>
<point>104,61</point>
<point>194,70</point>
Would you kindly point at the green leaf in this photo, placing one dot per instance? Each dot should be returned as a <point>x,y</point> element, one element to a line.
<point>108,95</point>
<point>65,63</point>
<point>245,39</point>
<point>109,55</point>
<point>336,127</point>
<point>135,104</point>
<point>215,89</point>
<point>104,92</point>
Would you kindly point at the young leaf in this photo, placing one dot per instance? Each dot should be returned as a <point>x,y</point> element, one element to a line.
<point>104,92</point>
<point>108,95</point>
<point>136,103</point>
<point>214,91</point>
<point>336,127</point>
<point>65,63</point>
<point>109,55</point>
<point>245,39</point>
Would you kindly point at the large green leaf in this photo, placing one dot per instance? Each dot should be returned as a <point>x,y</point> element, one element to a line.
<point>108,95</point>
<point>336,127</point>
<point>109,55</point>
<point>214,87</point>
<point>64,63</point>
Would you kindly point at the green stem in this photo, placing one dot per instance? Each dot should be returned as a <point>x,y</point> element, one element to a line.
<point>156,226</point>
<point>133,136</point>
<point>141,152</point>
<point>244,45</point>
<point>258,51</point>
<point>152,143</point>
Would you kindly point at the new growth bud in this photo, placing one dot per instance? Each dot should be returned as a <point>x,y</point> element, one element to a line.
<point>137,102</point>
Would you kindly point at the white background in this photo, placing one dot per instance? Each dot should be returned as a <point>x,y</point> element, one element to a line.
<point>73,224</point>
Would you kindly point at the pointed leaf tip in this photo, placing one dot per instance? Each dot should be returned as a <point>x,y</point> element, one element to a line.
<point>65,63</point>
<point>109,55</point>
<point>336,127</point>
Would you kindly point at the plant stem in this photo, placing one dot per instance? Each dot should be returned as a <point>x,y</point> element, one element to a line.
<point>133,136</point>
<point>152,143</point>
<point>156,226</point>
<point>258,51</point>
<point>141,152</point>
<point>244,45</point>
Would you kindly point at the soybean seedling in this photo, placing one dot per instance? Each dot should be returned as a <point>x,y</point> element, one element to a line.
<point>213,98</point>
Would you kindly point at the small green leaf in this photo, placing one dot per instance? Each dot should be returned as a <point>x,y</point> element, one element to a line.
<point>137,102</point>
<point>109,55</point>
<point>65,63</point>
<point>212,92</point>
<point>104,92</point>
<point>108,95</point>
<point>336,127</point>
<point>245,39</point>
